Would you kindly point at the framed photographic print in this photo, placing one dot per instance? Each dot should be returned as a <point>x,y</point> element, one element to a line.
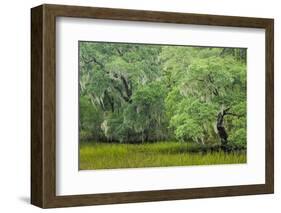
<point>136,106</point>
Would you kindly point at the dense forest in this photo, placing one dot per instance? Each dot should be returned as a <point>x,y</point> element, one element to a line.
<point>136,93</point>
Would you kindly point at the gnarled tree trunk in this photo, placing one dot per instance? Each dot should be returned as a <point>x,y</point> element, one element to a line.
<point>220,127</point>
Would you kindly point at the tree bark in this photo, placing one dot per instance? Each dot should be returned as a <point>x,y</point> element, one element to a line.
<point>220,127</point>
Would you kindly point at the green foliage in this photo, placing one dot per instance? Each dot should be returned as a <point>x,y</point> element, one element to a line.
<point>140,120</point>
<point>131,93</point>
<point>210,84</point>
<point>192,119</point>
<point>115,129</point>
<point>90,120</point>
<point>146,113</point>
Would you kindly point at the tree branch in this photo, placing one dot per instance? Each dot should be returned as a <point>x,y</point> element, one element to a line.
<point>119,51</point>
<point>93,59</point>
<point>233,114</point>
<point>126,85</point>
<point>126,98</point>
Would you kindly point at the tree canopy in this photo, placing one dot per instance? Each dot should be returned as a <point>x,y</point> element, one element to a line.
<point>135,93</point>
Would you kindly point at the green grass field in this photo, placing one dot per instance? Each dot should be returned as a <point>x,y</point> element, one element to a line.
<point>112,156</point>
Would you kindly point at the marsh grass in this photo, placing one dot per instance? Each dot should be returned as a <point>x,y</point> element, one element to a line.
<point>161,154</point>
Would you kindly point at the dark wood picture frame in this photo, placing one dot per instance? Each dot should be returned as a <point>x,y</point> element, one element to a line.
<point>43,105</point>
